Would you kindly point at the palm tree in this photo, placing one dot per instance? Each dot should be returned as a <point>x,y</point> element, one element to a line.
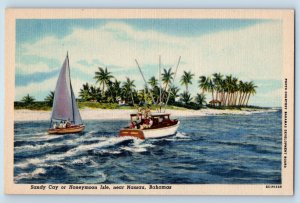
<point>84,92</point>
<point>241,90</point>
<point>201,99</point>
<point>153,82</point>
<point>117,88</point>
<point>227,89</point>
<point>167,77</point>
<point>211,88</point>
<point>95,93</point>
<point>128,88</point>
<point>203,83</point>
<point>103,77</point>
<point>173,93</point>
<point>223,91</point>
<point>246,91</point>
<point>186,79</point>
<point>155,90</point>
<point>28,100</point>
<point>142,96</point>
<point>186,97</point>
<point>251,90</point>
<point>234,89</point>
<point>217,79</point>
<point>49,98</point>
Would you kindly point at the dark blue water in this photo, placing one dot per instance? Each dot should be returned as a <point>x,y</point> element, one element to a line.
<point>222,149</point>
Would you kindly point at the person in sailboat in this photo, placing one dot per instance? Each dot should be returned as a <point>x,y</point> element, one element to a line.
<point>68,123</point>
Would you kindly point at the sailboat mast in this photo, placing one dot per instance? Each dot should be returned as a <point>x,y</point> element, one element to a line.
<point>68,66</point>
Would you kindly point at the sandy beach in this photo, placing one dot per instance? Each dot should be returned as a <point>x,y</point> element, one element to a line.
<point>120,114</point>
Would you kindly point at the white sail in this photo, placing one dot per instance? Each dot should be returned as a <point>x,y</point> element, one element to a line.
<point>76,115</point>
<point>64,103</point>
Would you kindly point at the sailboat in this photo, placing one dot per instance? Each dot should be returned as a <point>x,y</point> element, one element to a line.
<point>65,117</point>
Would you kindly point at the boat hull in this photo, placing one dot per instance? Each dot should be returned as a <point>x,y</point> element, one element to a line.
<point>150,133</point>
<point>72,129</point>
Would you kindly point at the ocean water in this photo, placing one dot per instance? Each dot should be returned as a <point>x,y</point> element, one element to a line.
<point>221,149</point>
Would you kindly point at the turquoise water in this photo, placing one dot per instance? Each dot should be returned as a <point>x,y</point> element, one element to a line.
<point>223,149</point>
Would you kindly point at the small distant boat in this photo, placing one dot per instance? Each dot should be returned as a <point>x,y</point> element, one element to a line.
<point>156,125</point>
<point>65,117</point>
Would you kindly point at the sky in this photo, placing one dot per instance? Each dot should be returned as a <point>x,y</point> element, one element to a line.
<point>249,49</point>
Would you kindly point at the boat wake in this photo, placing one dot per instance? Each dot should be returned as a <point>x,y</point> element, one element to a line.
<point>75,146</point>
<point>179,136</point>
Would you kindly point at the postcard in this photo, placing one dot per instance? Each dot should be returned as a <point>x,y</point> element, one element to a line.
<point>149,101</point>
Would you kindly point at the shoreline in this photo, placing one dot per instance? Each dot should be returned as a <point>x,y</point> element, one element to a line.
<point>121,114</point>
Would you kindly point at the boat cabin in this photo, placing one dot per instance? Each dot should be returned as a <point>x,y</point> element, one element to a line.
<point>150,121</point>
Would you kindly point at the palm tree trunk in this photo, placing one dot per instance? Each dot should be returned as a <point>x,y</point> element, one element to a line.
<point>234,98</point>
<point>241,98</point>
<point>103,89</point>
<point>243,102</point>
<point>132,98</point>
<point>226,99</point>
<point>223,95</point>
<point>228,102</point>
<point>237,95</point>
<point>248,99</point>
<point>231,98</point>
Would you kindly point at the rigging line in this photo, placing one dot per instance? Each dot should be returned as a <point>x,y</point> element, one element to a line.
<point>145,80</point>
<point>172,82</point>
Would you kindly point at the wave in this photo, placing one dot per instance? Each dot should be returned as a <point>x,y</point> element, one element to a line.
<point>179,136</point>
<point>40,146</point>
<point>138,146</point>
<point>73,152</point>
<point>39,137</point>
<point>33,174</point>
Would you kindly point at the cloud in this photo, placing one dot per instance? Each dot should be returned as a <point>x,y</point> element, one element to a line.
<point>33,68</point>
<point>251,53</point>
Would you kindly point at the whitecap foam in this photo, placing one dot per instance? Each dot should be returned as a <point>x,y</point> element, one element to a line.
<point>82,160</point>
<point>138,146</point>
<point>104,151</point>
<point>178,136</point>
<point>31,175</point>
<point>135,149</point>
<point>70,142</point>
<point>37,147</point>
<point>72,152</point>
<point>181,135</point>
<point>36,137</point>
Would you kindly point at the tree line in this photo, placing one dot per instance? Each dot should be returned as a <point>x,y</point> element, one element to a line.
<point>225,90</point>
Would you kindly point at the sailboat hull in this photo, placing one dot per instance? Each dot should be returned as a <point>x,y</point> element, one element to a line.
<point>72,129</point>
